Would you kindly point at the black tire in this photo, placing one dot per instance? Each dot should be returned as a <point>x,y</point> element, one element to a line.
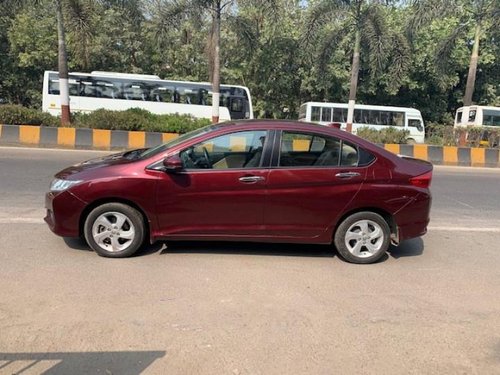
<point>103,235</point>
<point>369,238</point>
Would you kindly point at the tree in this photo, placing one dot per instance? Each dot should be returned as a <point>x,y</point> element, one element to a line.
<point>363,23</point>
<point>478,16</point>
<point>263,52</point>
<point>178,9</point>
<point>63,67</point>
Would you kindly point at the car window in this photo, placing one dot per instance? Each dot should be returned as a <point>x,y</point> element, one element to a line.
<point>349,156</point>
<point>308,150</point>
<point>229,151</point>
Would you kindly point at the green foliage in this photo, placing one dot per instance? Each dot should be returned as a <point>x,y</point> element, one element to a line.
<point>448,135</point>
<point>19,115</point>
<point>482,137</point>
<point>441,135</point>
<point>131,119</point>
<point>138,119</point>
<point>387,135</point>
<point>286,52</point>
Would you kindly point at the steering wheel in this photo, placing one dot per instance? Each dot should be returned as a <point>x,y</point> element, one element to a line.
<point>207,157</point>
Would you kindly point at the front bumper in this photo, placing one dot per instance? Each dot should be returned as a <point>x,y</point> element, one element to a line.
<point>63,213</point>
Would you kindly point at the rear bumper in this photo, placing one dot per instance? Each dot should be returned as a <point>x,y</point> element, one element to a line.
<point>413,219</point>
<point>63,213</point>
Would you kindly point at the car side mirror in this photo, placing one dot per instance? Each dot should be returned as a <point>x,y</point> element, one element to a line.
<point>173,164</point>
<point>420,127</point>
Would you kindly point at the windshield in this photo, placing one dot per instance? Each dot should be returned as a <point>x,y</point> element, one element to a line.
<point>174,142</point>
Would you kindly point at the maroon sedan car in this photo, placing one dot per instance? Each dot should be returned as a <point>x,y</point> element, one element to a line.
<point>262,181</point>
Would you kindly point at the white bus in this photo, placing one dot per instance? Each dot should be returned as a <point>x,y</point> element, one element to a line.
<point>118,91</point>
<point>373,116</point>
<point>477,115</point>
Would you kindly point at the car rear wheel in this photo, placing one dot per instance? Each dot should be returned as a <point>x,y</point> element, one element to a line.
<point>114,230</point>
<point>363,237</point>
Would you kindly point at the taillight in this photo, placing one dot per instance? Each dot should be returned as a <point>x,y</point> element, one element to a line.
<point>422,181</point>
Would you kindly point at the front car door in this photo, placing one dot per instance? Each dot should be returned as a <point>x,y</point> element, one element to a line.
<point>221,190</point>
<point>312,179</point>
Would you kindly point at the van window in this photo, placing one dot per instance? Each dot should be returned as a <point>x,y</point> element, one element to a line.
<point>491,117</point>
<point>472,115</point>
<point>413,123</point>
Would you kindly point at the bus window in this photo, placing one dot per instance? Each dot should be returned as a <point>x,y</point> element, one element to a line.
<point>459,117</point>
<point>339,115</point>
<point>385,118</point>
<point>135,91</point>
<point>86,88</point>
<point>358,119</point>
<point>105,89</point>
<point>236,105</point>
<point>162,94</point>
<point>203,97</point>
<point>326,114</point>
<point>373,116</point>
<point>186,95</point>
<point>74,87</point>
<point>315,113</point>
<point>398,119</point>
<point>365,116</point>
<point>53,84</point>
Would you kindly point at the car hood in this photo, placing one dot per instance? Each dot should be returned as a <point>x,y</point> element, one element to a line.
<point>89,167</point>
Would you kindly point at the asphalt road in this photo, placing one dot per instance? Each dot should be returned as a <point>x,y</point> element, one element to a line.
<point>431,306</point>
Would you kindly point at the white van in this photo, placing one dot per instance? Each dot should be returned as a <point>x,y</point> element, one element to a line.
<point>477,115</point>
<point>373,116</point>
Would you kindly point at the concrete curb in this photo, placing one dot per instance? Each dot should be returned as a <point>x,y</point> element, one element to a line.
<point>449,155</point>
<point>42,136</point>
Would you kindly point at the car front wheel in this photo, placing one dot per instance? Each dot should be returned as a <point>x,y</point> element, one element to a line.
<point>114,230</point>
<point>363,237</point>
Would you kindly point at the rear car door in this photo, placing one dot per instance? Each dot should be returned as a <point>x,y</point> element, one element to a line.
<point>312,179</point>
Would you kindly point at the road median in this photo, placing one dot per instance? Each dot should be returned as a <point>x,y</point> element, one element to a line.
<point>100,139</point>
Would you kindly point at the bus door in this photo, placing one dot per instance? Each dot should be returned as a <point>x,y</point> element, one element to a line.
<point>416,129</point>
<point>237,106</point>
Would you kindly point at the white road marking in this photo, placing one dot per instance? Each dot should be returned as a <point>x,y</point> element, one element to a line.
<point>38,220</point>
<point>21,220</point>
<point>463,229</point>
<point>459,202</point>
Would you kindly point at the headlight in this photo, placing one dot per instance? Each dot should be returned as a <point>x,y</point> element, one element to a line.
<point>60,185</point>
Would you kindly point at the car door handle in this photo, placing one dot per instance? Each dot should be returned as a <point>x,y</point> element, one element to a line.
<point>347,174</point>
<point>251,179</point>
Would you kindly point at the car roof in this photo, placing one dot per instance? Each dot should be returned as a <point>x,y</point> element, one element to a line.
<point>290,124</point>
<point>273,124</point>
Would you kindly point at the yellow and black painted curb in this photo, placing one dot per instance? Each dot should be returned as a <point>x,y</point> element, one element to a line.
<point>449,155</point>
<point>42,136</point>
<point>79,138</point>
